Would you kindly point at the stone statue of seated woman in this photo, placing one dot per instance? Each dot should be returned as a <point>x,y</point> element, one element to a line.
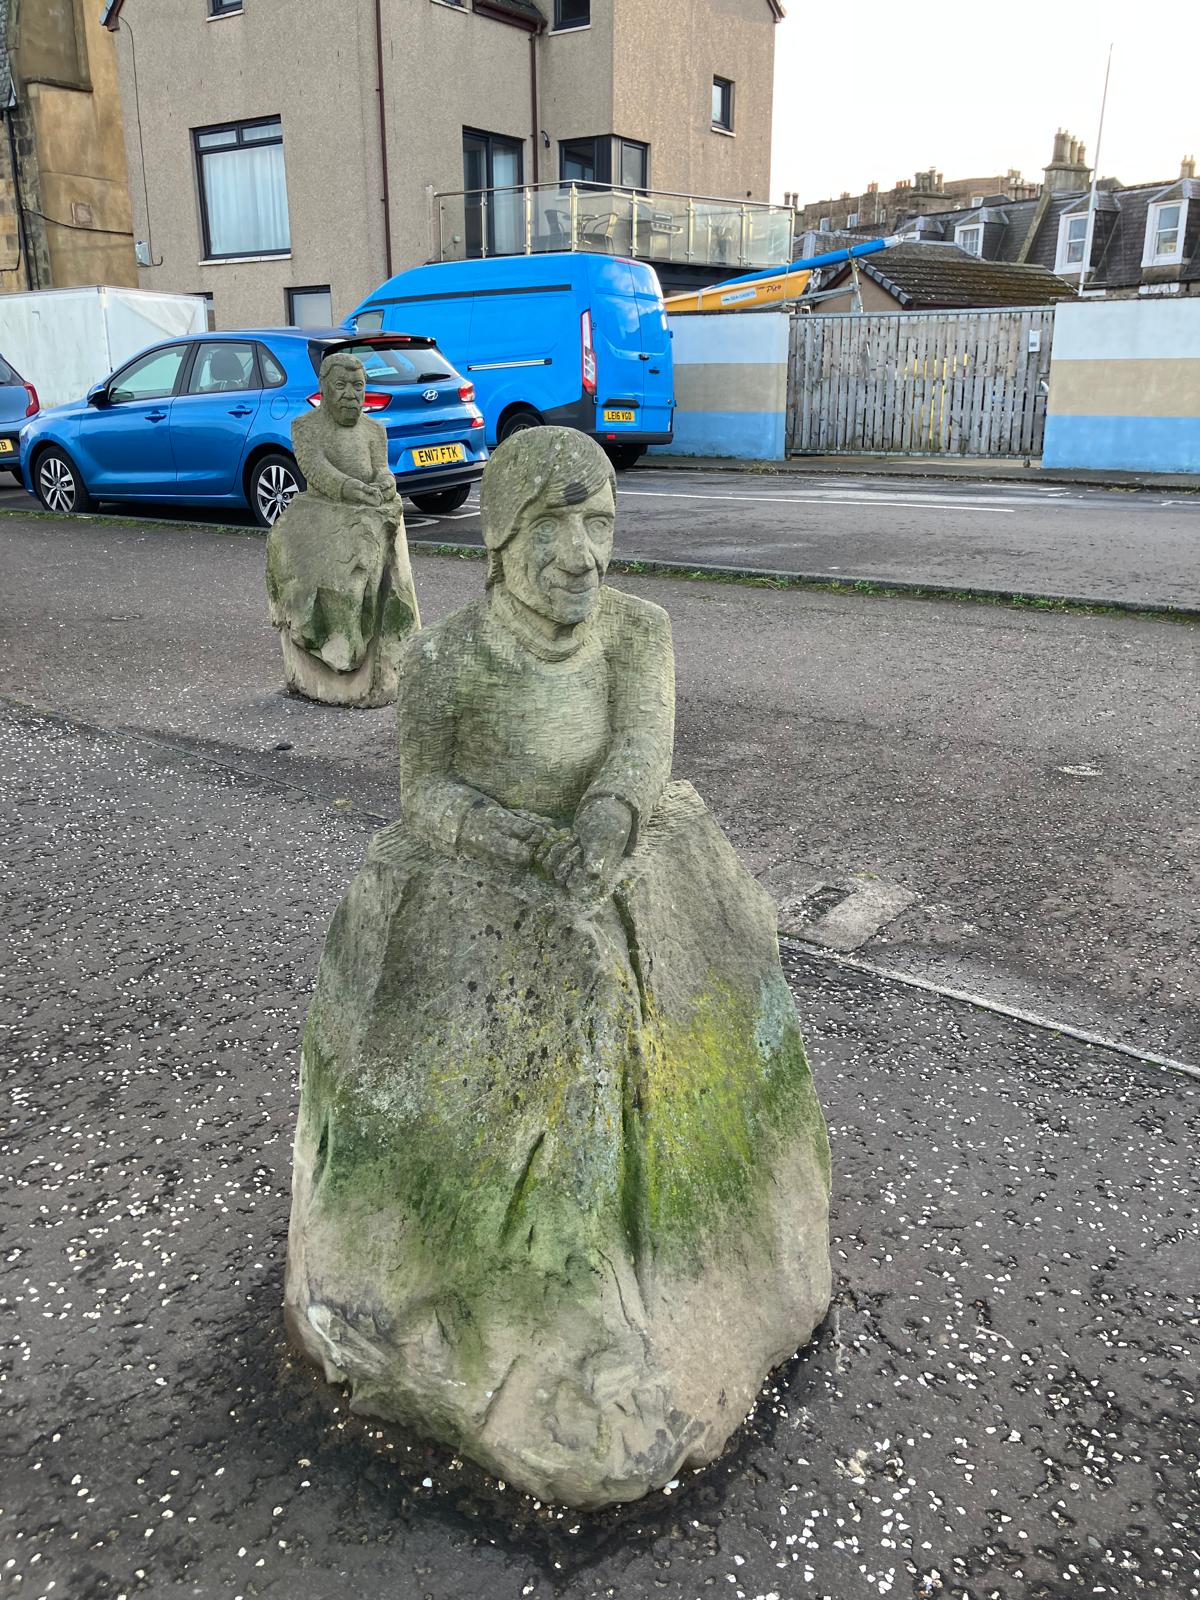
<point>339,583</point>
<point>561,1177</point>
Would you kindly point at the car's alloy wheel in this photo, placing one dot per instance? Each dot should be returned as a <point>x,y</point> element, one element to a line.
<point>276,485</point>
<point>58,489</point>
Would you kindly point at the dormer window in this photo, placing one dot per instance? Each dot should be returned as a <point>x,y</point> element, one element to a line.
<point>1165,224</point>
<point>1072,241</point>
<point>970,238</point>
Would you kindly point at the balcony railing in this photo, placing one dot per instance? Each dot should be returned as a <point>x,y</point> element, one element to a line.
<point>680,229</point>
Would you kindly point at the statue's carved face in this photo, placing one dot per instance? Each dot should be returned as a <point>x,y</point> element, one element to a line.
<point>556,560</point>
<point>342,394</point>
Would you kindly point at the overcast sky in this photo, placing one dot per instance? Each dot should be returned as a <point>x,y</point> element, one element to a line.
<point>867,91</point>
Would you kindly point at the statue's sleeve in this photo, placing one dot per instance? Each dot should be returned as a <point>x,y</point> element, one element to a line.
<point>321,475</point>
<point>435,801</point>
<point>379,449</point>
<point>641,709</point>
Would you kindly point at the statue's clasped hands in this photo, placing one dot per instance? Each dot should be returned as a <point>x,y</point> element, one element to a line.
<point>586,856</point>
<point>381,490</point>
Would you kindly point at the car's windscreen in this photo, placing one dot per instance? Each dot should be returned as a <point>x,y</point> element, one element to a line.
<point>391,364</point>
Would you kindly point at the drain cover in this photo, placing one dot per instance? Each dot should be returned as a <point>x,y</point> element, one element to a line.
<point>843,916</point>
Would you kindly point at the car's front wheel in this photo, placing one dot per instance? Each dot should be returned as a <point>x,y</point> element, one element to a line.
<point>58,485</point>
<point>437,502</point>
<point>275,481</point>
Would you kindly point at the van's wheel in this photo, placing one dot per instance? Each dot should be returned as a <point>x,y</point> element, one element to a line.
<point>517,422</point>
<point>58,485</point>
<point>275,481</point>
<point>624,456</point>
<point>437,502</point>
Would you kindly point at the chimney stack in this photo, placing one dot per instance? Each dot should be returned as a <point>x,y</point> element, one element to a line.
<point>1068,167</point>
<point>1187,167</point>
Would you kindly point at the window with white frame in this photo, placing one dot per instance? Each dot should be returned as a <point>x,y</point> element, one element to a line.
<point>1165,223</point>
<point>243,195</point>
<point>1072,240</point>
<point>970,239</point>
<point>823,225</point>
<point>852,219</point>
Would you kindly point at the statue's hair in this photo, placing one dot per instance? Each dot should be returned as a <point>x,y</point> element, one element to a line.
<point>341,358</point>
<point>522,470</point>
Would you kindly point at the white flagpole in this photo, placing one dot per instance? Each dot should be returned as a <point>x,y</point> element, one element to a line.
<point>1086,264</point>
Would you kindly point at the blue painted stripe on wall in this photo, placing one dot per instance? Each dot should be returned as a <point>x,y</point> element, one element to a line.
<point>753,435</point>
<point>1125,444</point>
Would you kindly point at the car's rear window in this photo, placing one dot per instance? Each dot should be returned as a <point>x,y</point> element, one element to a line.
<point>392,364</point>
<point>7,375</point>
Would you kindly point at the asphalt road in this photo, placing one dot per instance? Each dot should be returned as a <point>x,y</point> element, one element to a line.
<point>1009,795</point>
<point>1101,545</point>
<point>1000,1405</point>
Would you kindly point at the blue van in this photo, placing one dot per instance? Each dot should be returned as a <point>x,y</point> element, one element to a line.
<point>569,338</point>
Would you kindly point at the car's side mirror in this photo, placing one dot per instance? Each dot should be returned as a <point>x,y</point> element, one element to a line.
<point>98,395</point>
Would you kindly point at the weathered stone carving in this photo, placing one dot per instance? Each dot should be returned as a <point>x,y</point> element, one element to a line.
<point>561,1178</point>
<point>339,583</point>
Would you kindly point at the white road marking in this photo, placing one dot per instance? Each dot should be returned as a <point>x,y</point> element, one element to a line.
<point>835,500</point>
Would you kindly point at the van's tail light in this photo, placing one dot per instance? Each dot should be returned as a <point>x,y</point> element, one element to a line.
<point>467,393</point>
<point>587,352</point>
<point>35,405</point>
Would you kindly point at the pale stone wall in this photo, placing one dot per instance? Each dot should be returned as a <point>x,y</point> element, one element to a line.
<point>666,57</point>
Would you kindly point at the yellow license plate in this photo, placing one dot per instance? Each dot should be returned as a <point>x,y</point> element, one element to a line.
<point>6,447</point>
<point>437,455</point>
<point>620,416</point>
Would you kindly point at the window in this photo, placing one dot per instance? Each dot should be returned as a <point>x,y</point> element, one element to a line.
<point>582,161</point>
<point>368,321</point>
<point>388,365</point>
<point>823,225</point>
<point>222,368</point>
<point>852,219</point>
<point>1164,233</point>
<point>494,221</point>
<point>223,8</point>
<point>572,13</point>
<point>150,377</point>
<point>1072,237</point>
<point>634,164</point>
<point>243,196</point>
<point>722,104</point>
<point>310,308</point>
<point>970,239</point>
<point>273,374</point>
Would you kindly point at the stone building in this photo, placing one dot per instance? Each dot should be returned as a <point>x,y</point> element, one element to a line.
<point>289,193</point>
<point>878,211</point>
<point>64,194</point>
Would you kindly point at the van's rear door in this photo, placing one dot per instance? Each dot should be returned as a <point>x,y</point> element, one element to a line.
<point>617,337</point>
<point>658,393</point>
<point>633,350</point>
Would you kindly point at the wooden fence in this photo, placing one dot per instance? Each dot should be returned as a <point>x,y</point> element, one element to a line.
<point>967,383</point>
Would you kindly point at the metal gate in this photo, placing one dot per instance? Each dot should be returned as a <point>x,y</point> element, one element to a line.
<point>966,383</point>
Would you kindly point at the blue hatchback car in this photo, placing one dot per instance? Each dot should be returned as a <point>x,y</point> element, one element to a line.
<point>206,421</point>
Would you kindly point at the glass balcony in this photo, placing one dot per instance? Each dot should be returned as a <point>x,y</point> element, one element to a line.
<point>683,230</point>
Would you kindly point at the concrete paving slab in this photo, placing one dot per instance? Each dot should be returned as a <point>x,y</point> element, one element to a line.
<point>1001,1405</point>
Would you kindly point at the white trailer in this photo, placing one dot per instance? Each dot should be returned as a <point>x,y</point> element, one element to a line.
<point>63,341</point>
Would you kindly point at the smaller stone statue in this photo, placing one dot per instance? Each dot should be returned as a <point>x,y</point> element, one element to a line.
<point>339,583</point>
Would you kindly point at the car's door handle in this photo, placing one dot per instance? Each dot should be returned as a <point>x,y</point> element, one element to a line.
<point>156,416</point>
<point>242,411</point>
